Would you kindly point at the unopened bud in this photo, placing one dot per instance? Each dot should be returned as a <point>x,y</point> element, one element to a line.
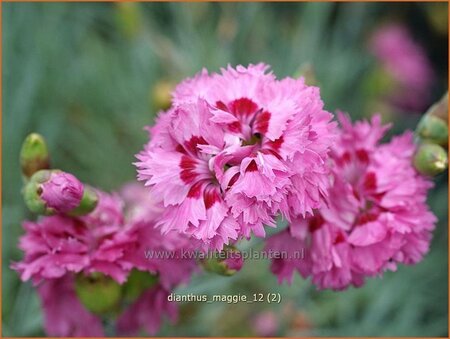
<point>161,94</point>
<point>34,155</point>
<point>227,263</point>
<point>52,191</point>
<point>62,191</point>
<point>137,283</point>
<point>434,129</point>
<point>98,293</point>
<point>431,159</point>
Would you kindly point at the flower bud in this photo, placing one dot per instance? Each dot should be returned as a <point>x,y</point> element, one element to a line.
<point>227,263</point>
<point>430,159</point>
<point>161,94</point>
<point>137,283</point>
<point>61,192</point>
<point>433,129</point>
<point>34,155</point>
<point>52,191</point>
<point>98,293</point>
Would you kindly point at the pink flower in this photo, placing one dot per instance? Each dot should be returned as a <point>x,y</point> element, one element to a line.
<point>160,254</point>
<point>113,239</point>
<point>147,312</point>
<point>59,244</point>
<point>377,218</point>
<point>234,151</point>
<point>64,315</point>
<point>62,192</point>
<point>154,252</point>
<point>286,258</point>
<point>139,205</point>
<point>406,61</point>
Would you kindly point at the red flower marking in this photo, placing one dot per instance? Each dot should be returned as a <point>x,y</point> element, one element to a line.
<point>370,181</point>
<point>346,157</point>
<point>261,124</point>
<point>362,156</point>
<point>252,167</point>
<point>243,107</point>
<point>188,166</point>
<point>276,144</point>
<point>193,142</point>
<point>211,196</point>
<point>196,190</point>
<point>315,223</point>
<point>233,180</point>
<point>339,238</point>
<point>366,217</point>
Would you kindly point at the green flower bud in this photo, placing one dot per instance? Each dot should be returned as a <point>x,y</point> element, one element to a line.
<point>433,129</point>
<point>430,159</point>
<point>34,155</point>
<point>137,283</point>
<point>48,192</point>
<point>98,293</point>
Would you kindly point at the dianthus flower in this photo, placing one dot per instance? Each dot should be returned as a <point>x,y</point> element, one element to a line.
<point>235,150</point>
<point>57,245</point>
<point>64,314</point>
<point>154,252</point>
<point>147,312</point>
<point>406,61</point>
<point>377,216</point>
<point>111,240</point>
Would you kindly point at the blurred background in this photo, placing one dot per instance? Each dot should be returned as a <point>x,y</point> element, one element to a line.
<point>90,76</point>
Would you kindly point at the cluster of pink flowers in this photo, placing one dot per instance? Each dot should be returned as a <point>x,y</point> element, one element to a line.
<point>407,63</point>
<point>235,150</point>
<point>111,240</point>
<point>377,214</point>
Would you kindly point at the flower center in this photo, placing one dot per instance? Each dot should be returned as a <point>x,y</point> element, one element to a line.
<point>252,121</point>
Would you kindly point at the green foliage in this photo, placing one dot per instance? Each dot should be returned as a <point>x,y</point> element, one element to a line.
<point>82,75</point>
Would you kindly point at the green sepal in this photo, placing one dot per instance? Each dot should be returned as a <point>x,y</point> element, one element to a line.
<point>88,203</point>
<point>32,193</point>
